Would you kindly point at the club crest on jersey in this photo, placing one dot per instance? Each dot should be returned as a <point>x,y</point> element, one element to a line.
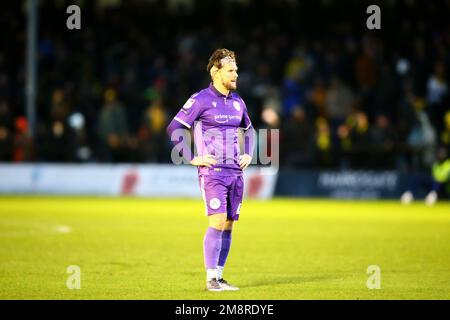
<point>188,103</point>
<point>236,105</point>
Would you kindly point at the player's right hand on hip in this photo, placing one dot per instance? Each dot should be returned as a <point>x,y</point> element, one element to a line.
<point>206,160</point>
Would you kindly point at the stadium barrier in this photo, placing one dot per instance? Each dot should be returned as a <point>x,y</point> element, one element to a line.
<point>341,184</point>
<point>170,181</point>
<point>166,181</point>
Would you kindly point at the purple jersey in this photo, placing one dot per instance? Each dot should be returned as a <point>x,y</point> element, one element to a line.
<point>216,119</point>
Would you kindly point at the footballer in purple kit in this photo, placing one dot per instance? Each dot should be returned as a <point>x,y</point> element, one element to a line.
<point>215,115</point>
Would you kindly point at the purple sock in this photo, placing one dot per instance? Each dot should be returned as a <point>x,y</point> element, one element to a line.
<point>226,244</point>
<point>211,247</point>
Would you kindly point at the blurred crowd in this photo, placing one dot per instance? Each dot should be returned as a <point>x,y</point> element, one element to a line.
<point>342,96</point>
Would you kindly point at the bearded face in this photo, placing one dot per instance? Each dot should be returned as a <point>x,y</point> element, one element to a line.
<point>227,75</point>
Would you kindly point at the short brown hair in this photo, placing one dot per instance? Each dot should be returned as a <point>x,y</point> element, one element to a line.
<point>218,55</point>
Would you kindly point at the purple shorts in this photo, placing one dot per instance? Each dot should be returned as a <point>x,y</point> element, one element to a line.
<point>222,194</point>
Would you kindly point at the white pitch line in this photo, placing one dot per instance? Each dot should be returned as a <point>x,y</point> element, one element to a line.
<point>32,229</point>
<point>63,229</point>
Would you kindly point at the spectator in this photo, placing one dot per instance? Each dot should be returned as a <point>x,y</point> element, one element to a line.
<point>366,67</point>
<point>317,97</point>
<point>383,140</point>
<point>437,96</point>
<point>56,142</point>
<point>152,132</point>
<point>436,184</point>
<point>323,144</point>
<point>338,101</point>
<point>113,129</point>
<point>360,141</point>
<point>297,144</point>
<point>437,85</point>
<point>6,132</point>
<point>422,138</point>
<point>22,145</point>
<point>445,136</point>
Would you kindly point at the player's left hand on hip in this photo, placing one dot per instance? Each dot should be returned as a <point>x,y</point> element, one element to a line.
<point>244,161</point>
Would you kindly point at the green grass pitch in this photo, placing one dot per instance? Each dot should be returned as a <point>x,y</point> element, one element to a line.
<point>131,248</point>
